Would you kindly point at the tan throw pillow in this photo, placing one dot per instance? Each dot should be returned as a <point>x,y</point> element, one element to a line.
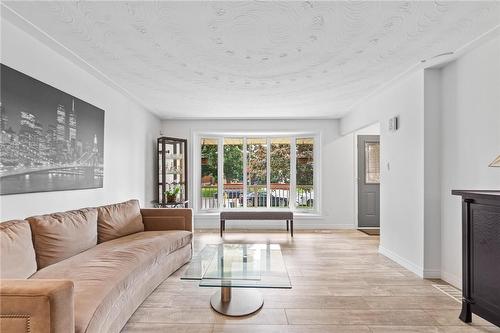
<point>59,236</point>
<point>17,255</point>
<point>119,220</point>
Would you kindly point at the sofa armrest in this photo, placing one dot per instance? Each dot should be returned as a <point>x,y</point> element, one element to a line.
<point>37,305</point>
<point>167,219</point>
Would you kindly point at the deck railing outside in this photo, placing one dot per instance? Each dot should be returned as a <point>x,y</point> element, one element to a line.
<point>257,196</point>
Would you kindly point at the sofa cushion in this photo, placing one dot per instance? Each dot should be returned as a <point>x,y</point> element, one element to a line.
<point>113,270</point>
<point>59,236</point>
<point>119,220</point>
<point>17,255</point>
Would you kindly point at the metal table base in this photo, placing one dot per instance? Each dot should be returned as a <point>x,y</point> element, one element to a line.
<point>236,302</point>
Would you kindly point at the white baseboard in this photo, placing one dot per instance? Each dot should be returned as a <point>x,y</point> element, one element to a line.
<point>401,261</point>
<point>454,280</point>
<point>432,273</point>
<point>321,226</point>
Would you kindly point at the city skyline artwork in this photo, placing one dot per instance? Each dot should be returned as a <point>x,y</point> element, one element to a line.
<point>50,140</point>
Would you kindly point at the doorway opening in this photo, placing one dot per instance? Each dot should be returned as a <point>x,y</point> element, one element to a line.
<point>368,180</point>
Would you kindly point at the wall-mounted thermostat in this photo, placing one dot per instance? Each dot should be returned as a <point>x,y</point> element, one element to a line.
<point>394,124</point>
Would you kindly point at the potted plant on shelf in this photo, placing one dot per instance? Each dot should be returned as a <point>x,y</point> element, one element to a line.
<point>172,191</point>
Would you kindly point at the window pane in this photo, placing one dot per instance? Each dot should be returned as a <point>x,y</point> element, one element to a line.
<point>305,172</point>
<point>256,172</point>
<point>209,173</point>
<point>233,172</point>
<point>372,162</point>
<point>280,172</point>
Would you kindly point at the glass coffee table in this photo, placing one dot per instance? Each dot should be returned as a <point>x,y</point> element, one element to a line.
<point>237,269</point>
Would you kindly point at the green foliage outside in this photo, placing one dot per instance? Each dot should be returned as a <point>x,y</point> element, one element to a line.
<point>257,164</point>
<point>208,191</point>
<point>209,168</point>
<point>280,163</point>
<point>233,163</point>
<point>305,165</point>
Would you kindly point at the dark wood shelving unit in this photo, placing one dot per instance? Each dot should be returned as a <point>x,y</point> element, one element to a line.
<point>172,170</point>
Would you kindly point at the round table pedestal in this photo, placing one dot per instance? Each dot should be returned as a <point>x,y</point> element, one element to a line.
<point>236,302</point>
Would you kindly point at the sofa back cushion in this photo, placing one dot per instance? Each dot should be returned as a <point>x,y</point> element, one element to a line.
<point>119,220</point>
<point>59,236</point>
<point>17,255</point>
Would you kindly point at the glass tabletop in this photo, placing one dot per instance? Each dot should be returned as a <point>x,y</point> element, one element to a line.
<point>239,266</point>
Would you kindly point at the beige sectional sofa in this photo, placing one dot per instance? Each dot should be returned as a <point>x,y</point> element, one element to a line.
<point>87,270</point>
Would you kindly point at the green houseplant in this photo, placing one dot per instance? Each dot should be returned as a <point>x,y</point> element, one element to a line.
<point>172,191</point>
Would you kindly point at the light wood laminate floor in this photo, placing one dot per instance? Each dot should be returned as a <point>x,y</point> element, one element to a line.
<point>340,284</point>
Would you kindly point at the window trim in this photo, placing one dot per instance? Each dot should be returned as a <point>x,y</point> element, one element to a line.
<point>219,135</point>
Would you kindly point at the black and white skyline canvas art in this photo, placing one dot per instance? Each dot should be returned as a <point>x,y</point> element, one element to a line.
<point>50,140</point>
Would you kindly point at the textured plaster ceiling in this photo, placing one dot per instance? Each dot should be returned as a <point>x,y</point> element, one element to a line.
<point>257,59</point>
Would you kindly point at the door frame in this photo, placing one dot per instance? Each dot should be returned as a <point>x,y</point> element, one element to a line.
<point>356,178</point>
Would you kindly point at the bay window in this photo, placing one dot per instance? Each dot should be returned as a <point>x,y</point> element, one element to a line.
<point>233,172</point>
<point>257,172</point>
<point>209,173</point>
<point>280,172</point>
<point>304,148</point>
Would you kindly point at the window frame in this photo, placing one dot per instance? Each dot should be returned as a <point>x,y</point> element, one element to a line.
<point>220,135</point>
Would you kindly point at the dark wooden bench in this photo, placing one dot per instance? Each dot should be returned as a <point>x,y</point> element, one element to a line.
<point>246,215</point>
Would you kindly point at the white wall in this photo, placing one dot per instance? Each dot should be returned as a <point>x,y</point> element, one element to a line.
<point>373,129</point>
<point>470,140</point>
<point>402,173</point>
<point>130,130</point>
<point>449,133</point>
<point>337,169</point>
<point>432,173</point>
